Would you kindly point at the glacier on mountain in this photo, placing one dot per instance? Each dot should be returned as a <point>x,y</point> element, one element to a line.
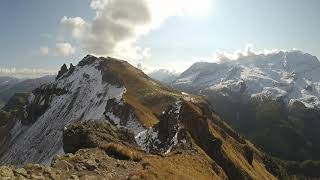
<point>291,75</point>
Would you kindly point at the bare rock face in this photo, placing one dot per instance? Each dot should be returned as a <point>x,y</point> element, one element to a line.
<point>42,98</point>
<point>122,110</point>
<point>62,71</point>
<point>91,134</point>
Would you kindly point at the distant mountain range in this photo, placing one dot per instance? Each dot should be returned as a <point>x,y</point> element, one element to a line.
<point>272,99</point>
<point>10,85</point>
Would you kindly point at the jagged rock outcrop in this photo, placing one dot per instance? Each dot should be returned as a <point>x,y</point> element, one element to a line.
<point>62,71</point>
<point>92,134</point>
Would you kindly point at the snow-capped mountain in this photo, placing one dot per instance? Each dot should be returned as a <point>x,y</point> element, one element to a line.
<point>293,75</point>
<point>267,97</point>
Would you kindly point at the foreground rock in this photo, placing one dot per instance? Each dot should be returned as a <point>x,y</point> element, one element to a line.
<point>110,160</point>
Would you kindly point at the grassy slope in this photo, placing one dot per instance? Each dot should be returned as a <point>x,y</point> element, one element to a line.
<point>271,121</point>
<point>277,131</point>
<point>150,99</point>
<point>147,96</point>
<point>234,161</point>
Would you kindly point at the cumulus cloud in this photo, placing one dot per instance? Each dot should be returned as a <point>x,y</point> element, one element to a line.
<point>77,25</point>
<point>118,24</point>
<point>61,49</point>
<point>219,56</point>
<point>64,49</point>
<point>249,50</point>
<point>98,4</point>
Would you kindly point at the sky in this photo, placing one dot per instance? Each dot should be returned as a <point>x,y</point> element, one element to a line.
<point>172,34</point>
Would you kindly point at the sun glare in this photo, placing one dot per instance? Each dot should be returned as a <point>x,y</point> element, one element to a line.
<point>196,7</point>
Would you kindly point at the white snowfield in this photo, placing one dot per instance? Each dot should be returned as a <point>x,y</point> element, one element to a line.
<point>86,99</point>
<point>293,75</point>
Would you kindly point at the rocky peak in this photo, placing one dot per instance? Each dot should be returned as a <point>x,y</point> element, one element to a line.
<point>89,59</point>
<point>62,71</point>
<point>72,68</point>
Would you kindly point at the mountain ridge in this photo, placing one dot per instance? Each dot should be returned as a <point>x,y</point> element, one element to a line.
<point>168,127</point>
<point>10,85</point>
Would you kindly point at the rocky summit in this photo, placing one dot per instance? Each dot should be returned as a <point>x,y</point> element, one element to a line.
<point>105,119</point>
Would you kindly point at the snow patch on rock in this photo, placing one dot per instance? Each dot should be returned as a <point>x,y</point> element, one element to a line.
<point>149,140</point>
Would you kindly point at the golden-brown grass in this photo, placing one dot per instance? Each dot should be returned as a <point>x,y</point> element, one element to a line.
<point>178,166</point>
<point>122,152</point>
<point>234,151</point>
<point>148,97</point>
<point>145,115</point>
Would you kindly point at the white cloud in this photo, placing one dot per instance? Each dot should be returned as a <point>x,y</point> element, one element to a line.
<point>61,49</point>
<point>119,23</point>
<point>44,50</point>
<point>249,50</point>
<point>116,26</point>
<point>98,4</point>
<point>219,56</point>
<point>77,25</point>
<point>64,49</point>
